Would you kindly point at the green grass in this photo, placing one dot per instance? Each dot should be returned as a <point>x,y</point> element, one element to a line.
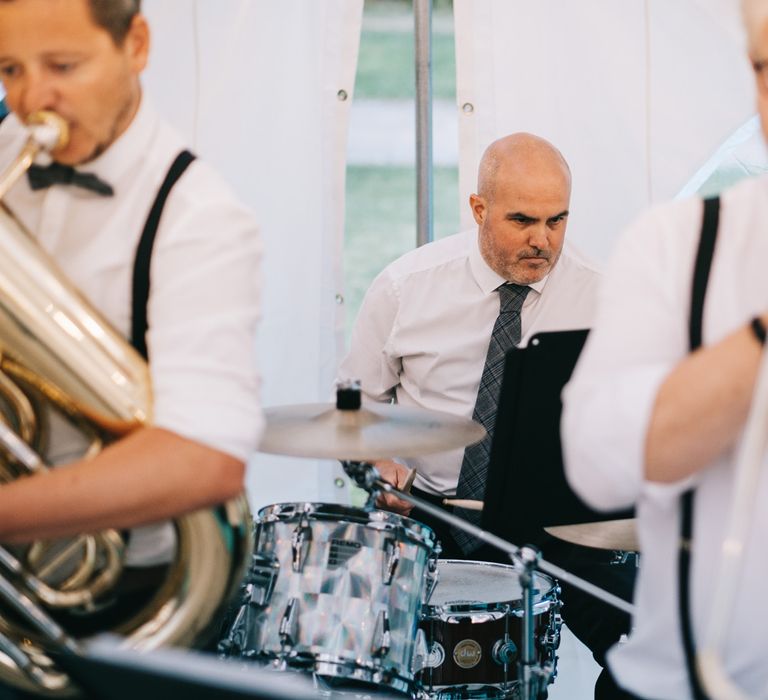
<point>385,68</point>
<point>381,222</point>
<point>381,200</point>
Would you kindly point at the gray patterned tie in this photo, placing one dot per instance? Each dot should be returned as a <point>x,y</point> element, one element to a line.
<point>474,467</point>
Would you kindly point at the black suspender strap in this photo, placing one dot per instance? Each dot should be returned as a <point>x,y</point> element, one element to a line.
<point>143,258</point>
<point>701,271</point>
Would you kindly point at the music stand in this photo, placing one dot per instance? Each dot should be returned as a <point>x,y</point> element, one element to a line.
<point>526,488</point>
<point>108,671</point>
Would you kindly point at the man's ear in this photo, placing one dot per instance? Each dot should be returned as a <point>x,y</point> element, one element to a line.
<point>478,207</point>
<point>137,43</point>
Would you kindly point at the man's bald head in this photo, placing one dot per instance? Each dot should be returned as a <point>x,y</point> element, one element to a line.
<point>517,155</point>
<point>521,207</point>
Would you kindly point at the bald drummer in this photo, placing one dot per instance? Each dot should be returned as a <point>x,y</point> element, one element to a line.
<point>425,335</point>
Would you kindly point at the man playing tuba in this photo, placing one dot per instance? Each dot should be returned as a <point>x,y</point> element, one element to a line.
<point>101,213</point>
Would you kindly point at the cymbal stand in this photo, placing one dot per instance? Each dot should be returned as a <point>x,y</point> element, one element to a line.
<point>534,678</point>
<point>526,559</point>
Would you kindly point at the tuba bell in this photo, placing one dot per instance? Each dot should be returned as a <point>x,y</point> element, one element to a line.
<point>60,358</point>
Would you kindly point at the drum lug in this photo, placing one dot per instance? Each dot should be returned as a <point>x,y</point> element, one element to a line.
<point>263,574</point>
<point>381,638</point>
<point>504,652</point>
<point>420,652</point>
<point>551,637</point>
<point>391,560</point>
<point>289,624</point>
<point>300,542</point>
<point>234,643</point>
<point>432,576</point>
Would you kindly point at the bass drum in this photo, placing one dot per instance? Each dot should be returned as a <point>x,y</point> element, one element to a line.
<point>474,629</point>
<point>336,591</point>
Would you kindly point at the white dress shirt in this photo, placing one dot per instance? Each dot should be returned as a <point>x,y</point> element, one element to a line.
<point>640,334</point>
<point>424,327</point>
<point>204,294</point>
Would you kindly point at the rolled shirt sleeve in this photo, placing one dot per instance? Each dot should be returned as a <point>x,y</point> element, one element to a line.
<point>369,359</point>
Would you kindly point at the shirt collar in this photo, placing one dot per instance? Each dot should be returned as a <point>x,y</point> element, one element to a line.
<point>487,279</point>
<point>128,149</point>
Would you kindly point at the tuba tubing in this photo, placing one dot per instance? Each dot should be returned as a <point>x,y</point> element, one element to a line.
<point>58,351</point>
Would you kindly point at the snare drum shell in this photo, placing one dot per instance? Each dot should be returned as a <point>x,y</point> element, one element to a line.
<point>469,616</point>
<point>341,591</point>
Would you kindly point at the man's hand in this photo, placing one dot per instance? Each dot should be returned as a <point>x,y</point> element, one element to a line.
<point>400,477</point>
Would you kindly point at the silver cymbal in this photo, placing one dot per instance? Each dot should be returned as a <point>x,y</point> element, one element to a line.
<point>610,534</point>
<point>369,433</point>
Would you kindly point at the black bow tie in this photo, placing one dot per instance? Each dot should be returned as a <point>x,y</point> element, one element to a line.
<point>57,174</point>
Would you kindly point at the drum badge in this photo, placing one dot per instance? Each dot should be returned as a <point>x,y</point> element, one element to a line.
<point>467,653</point>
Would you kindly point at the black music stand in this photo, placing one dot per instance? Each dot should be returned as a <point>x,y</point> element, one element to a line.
<point>526,488</point>
<point>108,672</point>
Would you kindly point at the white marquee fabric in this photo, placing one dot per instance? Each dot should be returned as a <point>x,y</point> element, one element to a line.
<point>637,94</point>
<point>255,85</point>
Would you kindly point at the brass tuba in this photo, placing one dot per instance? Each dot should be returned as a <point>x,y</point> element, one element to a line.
<point>59,356</point>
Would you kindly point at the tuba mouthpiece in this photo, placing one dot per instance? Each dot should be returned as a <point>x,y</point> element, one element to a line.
<point>49,130</point>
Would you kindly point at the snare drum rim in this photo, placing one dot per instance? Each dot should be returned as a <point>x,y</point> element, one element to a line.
<point>407,528</point>
<point>440,610</point>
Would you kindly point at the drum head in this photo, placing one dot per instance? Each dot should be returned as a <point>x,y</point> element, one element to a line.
<point>478,586</point>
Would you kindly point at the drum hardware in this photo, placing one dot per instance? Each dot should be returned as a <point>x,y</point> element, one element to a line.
<point>533,677</point>
<point>504,652</point>
<point>367,477</point>
<point>474,624</point>
<point>350,613</point>
<point>381,636</point>
<point>421,651</point>
<point>350,431</point>
<point>300,543</point>
<point>391,561</point>
<point>289,624</point>
<point>622,557</point>
<point>262,575</point>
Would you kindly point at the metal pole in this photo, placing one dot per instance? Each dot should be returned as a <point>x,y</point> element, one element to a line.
<point>528,676</point>
<point>422,17</point>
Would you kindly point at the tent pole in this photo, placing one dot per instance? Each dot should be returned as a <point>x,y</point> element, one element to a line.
<point>422,14</point>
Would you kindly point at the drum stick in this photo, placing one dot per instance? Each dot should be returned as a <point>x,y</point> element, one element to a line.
<point>463,503</point>
<point>406,488</point>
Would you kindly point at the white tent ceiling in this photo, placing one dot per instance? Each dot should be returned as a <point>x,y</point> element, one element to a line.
<point>637,94</point>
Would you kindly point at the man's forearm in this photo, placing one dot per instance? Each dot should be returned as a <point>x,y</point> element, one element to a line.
<point>148,476</point>
<point>701,407</point>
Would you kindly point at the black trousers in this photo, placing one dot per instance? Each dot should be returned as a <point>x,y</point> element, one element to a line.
<point>595,623</point>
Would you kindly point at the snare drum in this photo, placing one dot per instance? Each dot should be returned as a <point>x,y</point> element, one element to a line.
<point>337,591</point>
<point>474,629</point>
